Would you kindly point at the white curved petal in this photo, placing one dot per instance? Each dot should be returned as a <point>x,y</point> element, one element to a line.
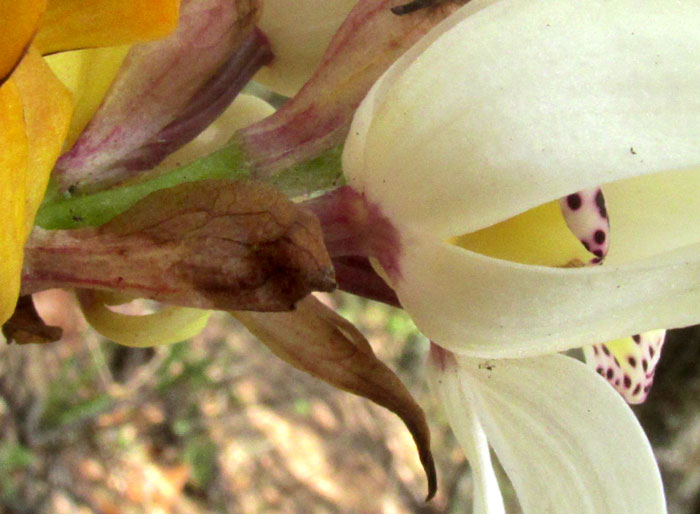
<point>465,424</point>
<point>567,440</point>
<point>524,102</point>
<point>508,309</point>
<point>653,214</point>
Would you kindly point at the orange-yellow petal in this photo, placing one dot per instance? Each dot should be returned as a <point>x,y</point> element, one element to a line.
<point>73,24</point>
<point>47,108</point>
<point>19,20</point>
<point>88,74</point>
<point>13,164</point>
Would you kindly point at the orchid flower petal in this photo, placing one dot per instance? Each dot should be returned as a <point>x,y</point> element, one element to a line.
<point>74,24</point>
<point>18,24</point>
<point>514,310</point>
<point>47,107</point>
<point>167,326</point>
<point>653,214</point>
<point>628,364</point>
<point>299,35</point>
<point>587,218</point>
<point>88,74</point>
<point>458,404</point>
<point>13,166</point>
<point>548,99</point>
<point>567,441</point>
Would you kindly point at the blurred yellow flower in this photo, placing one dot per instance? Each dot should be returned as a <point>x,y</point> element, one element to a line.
<point>36,107</point>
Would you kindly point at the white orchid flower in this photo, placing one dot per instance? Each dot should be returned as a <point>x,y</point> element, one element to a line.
<point>460,155</point>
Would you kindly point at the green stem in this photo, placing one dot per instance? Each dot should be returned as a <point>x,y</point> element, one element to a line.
<point>230,162</point>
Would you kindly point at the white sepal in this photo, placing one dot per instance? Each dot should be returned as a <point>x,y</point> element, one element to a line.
<point>464,421</point>
<point>523,102</point>
<point>566,439</point>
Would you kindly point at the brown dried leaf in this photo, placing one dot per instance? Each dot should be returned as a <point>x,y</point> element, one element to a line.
<point>315,339</point>
<point>26,326</point>
<point>212,244</point>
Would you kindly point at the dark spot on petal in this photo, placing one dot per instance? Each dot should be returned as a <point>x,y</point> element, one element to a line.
<point>595,350</point>
<point>617,382</point>
<point>599,237</point>
<point>573,201</point>
<point>617,362</point>
<point>586,246</point>
<point>646,388</point>
<point>645,364</point>
<point>599,370</point>
<point>605,349</point>
<point>637,338</point>
<point>600,202</point>
<point>609,374</point>
<point>632,361</point>
<point>637,389</point>
<point>651,352</point>
<point>598,253</point>
<point>628,382</point>
<point>596,260</point>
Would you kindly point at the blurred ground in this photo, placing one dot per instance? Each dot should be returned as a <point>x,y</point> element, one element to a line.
<point>219,425</point>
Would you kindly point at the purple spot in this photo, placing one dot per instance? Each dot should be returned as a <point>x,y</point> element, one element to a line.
<point>632,361</point>
<point>600,202</point>
<point>617,362</point>
<point>637,338</point>
<point>645,364</point>
<point>617,382</point>
<point>586,246</point>
<point>599,370</point>
<point>598,253</point>
<point>595,350</point>
<point>651,352</point>
<point>646,388</point>
<point>596,260</point>
<point>609,374</point>
<point>599,237</point>
<point>605,349</point>
<point>573,201</point>
<point>636,389</point>
<point>628,382</point>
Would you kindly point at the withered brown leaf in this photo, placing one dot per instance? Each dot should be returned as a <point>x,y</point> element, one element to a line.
<point>213,244</point>
<point>314,339</point>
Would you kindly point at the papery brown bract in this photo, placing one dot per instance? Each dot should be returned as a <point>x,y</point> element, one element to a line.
<point>211,244</point>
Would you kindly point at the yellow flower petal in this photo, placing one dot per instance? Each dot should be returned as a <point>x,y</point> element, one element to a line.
<point>88,74</point>
<point>13,164</point>
<point>73,24</point>
<point>47,108</point>
<point>18,24</point>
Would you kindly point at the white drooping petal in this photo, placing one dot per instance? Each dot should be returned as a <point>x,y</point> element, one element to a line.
<point>566,439</point>
<point>465,424</point>
<point>514,310</point>
<point>653,214</point>
<point>299,33</point>
<point>524,102</point>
